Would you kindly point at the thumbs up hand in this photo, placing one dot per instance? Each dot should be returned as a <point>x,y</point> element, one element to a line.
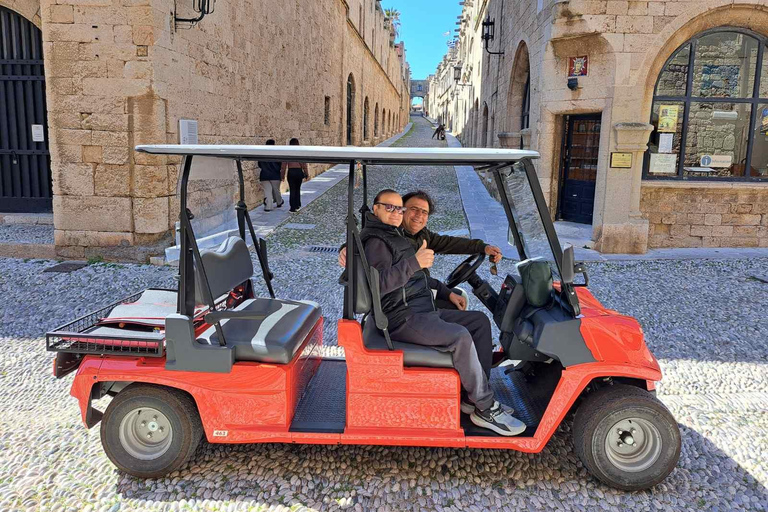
<point>425,256</point>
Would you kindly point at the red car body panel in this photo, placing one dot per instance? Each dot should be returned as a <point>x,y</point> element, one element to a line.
<point>387,403</point>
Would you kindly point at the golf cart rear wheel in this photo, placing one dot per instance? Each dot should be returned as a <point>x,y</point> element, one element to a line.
<point>150,431</point>
<point>625,437</point>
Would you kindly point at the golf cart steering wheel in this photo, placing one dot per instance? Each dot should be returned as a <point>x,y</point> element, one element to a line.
<point>465,270</point>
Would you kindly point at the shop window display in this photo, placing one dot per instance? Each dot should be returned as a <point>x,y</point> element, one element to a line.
<point>710,111</point>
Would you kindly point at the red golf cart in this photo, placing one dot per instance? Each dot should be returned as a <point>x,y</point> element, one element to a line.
<point>212,359</point>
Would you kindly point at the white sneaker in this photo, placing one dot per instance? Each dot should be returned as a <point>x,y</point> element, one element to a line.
<point>499,419</point>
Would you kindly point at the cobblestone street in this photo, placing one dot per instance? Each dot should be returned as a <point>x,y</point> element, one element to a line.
<point>703,319</point>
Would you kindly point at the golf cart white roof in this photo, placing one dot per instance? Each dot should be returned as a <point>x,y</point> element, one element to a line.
<point>340,154</point>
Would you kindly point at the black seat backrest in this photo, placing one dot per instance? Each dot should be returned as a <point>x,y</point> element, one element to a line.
<point>226,267</point>
<point>514,306</point>
<point>363,302</point>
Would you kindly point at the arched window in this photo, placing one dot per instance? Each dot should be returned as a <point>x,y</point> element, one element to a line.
<point>384,122</point>
<point>484,133</point>
<point>710,109</point>
<point>350,107</point>
<point>526,110</point>
<point>365,119</point>
<point>376,120</point>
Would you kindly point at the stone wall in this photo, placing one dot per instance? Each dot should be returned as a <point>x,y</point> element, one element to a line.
<point>707,215</point>
<point>120,74</point>
<point>627,43</point>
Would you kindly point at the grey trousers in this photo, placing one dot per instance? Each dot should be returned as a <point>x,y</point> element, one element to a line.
<point>483,344</point>
<point>272,194</point>
<point>452,331</point>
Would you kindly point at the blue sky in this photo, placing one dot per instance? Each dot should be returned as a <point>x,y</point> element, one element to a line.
<point>422,25</point>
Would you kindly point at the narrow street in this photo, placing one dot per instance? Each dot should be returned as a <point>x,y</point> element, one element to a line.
<point>704,321</point>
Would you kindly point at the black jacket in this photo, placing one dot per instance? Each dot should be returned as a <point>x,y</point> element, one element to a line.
<point>405,287</point>
<point>270,171</point>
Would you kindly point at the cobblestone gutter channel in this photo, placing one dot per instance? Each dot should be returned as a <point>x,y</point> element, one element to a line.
<point>704,320</point>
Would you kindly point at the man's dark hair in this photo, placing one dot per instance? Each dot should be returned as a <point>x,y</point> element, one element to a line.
<point>270,142</point>
<point>294,142</point>
<point>420,194</point>
<point>383,193</point>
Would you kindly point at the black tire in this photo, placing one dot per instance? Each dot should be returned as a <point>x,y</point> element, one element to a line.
<point>618,404</point>
<point>179,411</point>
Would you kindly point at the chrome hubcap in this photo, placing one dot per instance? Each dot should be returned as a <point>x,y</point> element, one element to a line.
<point>633,444</point>
<point>145,433</point>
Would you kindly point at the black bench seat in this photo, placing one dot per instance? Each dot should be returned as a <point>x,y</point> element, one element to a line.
<point>413,355</point>
<point>275,339</point>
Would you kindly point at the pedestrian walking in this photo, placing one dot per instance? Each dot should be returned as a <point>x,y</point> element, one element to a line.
<point>269,176</point>
<point>296,172</point>
<point>437,132</point>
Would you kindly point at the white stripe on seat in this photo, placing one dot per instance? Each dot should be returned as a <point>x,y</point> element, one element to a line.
<point>260,338</point>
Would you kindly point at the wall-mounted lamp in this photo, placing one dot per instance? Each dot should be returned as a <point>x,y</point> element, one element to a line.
<point>573,83</point>
<point>489,30</point>
<point>202,7</point>
<point>457,76</point>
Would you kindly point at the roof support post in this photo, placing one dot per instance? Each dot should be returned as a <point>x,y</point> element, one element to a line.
<point>349,295</point>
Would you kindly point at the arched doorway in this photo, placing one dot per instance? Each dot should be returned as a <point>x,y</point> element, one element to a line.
<point>519,98</point>
<point>25,162</point>
<point>366,109</point>
<point>384,122</point>
<point>350,107</point>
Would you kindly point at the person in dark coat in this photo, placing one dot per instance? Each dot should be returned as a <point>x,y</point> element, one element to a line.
<point>269,176</point>
<point>406,300</point>
<point>297,173</point>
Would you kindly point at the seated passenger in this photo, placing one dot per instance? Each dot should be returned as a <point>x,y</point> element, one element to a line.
<point>407,302</point>
<point>419,206</point>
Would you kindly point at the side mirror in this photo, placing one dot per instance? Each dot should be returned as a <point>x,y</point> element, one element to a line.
<point>567,272</point>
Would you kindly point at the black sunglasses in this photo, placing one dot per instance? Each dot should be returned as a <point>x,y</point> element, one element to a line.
<point>392,208</point>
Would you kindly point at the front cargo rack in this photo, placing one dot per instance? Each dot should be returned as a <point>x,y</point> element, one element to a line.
<point>86,335</point>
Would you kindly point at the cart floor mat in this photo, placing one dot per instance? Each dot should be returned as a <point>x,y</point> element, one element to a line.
<point>323,408</point>
<point>528,397</point>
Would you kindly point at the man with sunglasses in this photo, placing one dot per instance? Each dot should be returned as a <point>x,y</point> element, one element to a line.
<point>406,299</point>
<point>418,207</point>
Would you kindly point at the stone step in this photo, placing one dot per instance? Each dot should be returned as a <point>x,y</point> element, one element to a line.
<point>27,218</point>
<point>39,251</point>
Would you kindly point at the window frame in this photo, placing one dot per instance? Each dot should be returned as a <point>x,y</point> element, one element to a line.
<point>754,100</point>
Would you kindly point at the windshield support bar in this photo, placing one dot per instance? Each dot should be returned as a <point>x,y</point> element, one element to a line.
<point>546,220</point>
<point>508,211</point>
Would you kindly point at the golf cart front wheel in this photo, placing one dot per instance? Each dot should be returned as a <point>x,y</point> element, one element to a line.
<point>626,437</point>
<point>150,431</point>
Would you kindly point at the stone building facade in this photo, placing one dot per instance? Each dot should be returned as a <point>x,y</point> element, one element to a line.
<point>121,72</point>
<point>651,117</point>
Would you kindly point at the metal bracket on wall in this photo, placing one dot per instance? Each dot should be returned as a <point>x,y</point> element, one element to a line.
<point>202,7</point>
